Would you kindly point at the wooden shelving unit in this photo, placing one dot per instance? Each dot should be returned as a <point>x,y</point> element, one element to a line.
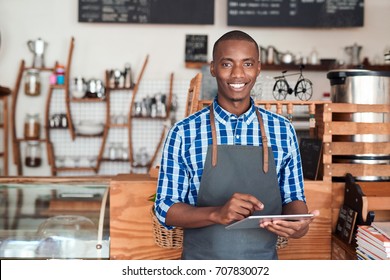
<point>65,88</point>
<point>109,125</point>
<point>130,119</point>
<point>15,94</point>
<point>53,146</point>
<point>4,93</point>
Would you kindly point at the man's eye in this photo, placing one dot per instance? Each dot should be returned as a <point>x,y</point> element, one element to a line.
<point>248,64</point>
<point>226,64</point>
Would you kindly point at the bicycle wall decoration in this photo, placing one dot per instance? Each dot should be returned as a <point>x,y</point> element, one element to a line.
<point>303,88</point>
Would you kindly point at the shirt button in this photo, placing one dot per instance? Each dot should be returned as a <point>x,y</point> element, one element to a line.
<point>237,136</point>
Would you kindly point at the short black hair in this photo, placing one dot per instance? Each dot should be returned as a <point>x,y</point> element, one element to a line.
<point>235,35</point>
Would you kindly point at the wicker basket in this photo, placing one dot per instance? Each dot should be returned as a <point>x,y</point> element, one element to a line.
<point>165,238</point>
<point>174,238</point>
<point>282,242</point>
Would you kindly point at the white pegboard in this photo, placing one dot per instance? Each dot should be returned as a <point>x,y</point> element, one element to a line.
<point>120,101</point>
<point>146,132</point>
<point>88,111</point>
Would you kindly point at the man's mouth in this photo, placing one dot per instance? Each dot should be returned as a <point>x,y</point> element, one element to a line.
<point>237,86</point>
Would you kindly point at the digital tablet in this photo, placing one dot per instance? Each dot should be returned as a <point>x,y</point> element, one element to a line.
<point>254,221</point>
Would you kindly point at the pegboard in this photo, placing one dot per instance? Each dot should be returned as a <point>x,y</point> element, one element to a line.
<point>83,151</point>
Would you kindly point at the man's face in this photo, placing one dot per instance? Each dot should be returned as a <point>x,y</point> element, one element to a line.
<point>236,66</point>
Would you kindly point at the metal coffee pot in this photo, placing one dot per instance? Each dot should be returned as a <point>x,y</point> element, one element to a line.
<point>354,54</point>
<point>272,55</point>
<point>37,47</point>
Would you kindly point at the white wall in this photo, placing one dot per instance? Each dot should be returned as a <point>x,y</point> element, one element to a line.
<point>99,47</point>
<point>105,46</point>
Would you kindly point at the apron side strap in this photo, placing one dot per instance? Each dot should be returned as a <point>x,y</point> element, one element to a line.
<point>264,141</point>
<point>265,155</point>
<point>214,138</point>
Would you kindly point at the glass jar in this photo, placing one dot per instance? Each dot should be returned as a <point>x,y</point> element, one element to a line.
<point>32,83</point>
<point>33,154</point>
<point>32,127</point>
<point>113,151</point>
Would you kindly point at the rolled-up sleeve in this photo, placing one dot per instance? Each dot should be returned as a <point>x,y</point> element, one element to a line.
<point>173,183</point>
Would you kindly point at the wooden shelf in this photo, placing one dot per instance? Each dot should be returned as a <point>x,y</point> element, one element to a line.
<point>195,65</point>
<point>116,125</point>
<point>28,140</point>
<point>115,160</point>
<point>113,89</point>
<point>81,169</point>
<point>87,99</point>
<point>57,86</point>
<point>89,136</point>
<point>321,68</point>
<point>149,118</point>
<point>48,69</point>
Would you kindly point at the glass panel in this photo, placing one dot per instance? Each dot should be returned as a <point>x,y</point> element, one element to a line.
<point>59,220</point>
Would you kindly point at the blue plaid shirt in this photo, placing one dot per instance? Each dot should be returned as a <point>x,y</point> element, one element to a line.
<point>185,150</point>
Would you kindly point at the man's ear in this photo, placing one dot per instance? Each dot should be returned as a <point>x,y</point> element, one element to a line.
<point>212,68</point>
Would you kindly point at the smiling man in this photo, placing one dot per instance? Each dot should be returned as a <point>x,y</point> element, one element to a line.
<point>227,161</point>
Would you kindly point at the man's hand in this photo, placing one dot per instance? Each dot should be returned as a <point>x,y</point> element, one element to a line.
<point>238,207</point>
<point>292,229</point>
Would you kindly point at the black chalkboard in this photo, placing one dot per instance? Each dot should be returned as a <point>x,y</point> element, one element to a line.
<point>311,150</point>
<point>196,48</point>
<point>346,223</point>
<point>294,13</point>
<point>147,11</point>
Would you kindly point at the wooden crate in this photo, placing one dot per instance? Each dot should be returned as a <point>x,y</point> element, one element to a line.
<point>337,131</point>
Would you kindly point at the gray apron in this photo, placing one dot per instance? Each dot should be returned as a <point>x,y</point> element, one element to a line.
<point>244,169</point>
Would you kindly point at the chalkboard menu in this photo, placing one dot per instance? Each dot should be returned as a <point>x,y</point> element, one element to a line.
<point>296,13</point>
<point>147,11</point>
<point>196,48</point>
<point>346,223</point>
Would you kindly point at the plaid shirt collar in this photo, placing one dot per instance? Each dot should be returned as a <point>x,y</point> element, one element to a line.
<point>223,116</point>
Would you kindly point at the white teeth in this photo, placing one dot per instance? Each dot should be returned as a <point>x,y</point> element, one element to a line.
<point>237,85</point>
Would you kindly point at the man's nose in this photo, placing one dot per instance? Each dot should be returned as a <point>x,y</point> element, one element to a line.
<point>237,71</point>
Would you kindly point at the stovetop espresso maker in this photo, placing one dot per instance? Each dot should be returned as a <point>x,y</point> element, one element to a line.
<point>38,47</point>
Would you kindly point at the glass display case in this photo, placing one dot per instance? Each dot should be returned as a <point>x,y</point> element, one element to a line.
<point>54,218</point>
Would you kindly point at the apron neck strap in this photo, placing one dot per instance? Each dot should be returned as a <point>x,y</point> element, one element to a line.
<point>264,139</point>
<point>214,137</point>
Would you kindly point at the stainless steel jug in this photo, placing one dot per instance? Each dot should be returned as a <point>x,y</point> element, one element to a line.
<point>38,48</point>
<point>354,54</point>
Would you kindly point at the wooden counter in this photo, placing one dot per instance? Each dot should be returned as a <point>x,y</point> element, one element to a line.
<point>131,224</point>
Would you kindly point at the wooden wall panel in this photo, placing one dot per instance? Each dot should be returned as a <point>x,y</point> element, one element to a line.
<point>130,221</point>
<point>316,244</point>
